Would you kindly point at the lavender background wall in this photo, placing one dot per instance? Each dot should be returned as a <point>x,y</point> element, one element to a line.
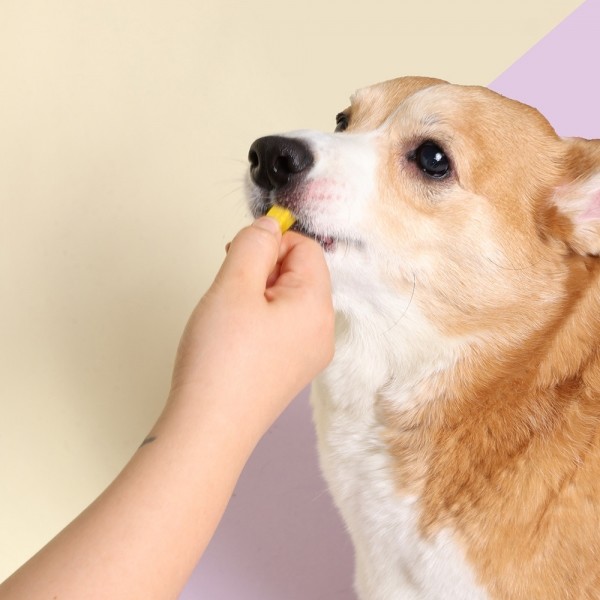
<point>281,539</point>
<point>560,74</point>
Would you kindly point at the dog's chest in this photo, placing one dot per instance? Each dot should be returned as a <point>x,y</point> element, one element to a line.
<point>393,559</point>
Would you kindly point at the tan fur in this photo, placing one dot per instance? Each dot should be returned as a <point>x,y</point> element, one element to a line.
<point>505,449</point>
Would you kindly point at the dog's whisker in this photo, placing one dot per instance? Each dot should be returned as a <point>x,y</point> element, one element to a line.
<point>412,294</point>
<point>513,268</point>
<point>236,190</point>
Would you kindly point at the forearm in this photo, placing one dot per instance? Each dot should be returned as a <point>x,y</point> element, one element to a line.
<point>142,537</point>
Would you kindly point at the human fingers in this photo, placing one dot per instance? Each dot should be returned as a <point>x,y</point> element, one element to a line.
<point>251,256</point>
<point>302,261</point>
<point>302,299</point>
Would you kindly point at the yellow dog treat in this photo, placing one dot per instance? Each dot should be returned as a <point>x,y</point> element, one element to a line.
<point>285,218</point>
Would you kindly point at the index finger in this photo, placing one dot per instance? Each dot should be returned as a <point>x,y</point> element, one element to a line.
<point>302,260</point>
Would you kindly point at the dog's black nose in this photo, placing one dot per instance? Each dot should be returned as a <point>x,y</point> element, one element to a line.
<point>276,160</point>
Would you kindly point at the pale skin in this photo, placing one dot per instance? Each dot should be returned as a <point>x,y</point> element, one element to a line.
<point>237,368</point>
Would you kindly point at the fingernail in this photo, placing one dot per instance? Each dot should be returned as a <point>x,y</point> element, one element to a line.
<point>267,223</point>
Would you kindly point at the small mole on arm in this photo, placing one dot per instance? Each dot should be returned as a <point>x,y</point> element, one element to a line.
<point>148,440</point>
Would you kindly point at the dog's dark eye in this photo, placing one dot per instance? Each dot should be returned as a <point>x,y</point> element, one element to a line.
<point>432,160</point>
<point>341,122</point>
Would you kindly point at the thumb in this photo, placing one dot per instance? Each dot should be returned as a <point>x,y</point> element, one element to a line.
<point>252,255</point>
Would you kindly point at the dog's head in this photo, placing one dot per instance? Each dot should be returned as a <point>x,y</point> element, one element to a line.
<point>450,200</point>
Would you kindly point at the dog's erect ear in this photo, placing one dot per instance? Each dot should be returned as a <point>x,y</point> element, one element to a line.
<point>578,199</point>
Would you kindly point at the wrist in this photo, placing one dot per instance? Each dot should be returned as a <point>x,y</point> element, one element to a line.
<point>196,414</point>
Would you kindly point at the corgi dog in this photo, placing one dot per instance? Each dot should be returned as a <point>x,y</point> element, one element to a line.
<point>459,421</point>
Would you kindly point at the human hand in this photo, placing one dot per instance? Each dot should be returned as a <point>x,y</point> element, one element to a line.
<point>262,331</point>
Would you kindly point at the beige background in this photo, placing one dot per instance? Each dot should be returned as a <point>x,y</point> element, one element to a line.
<point>124,129</point>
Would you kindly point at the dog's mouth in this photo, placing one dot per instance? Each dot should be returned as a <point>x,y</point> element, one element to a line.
<point>305,225</point>
<point>328,243</point>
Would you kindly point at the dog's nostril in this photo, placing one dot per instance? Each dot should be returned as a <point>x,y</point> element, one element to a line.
<point>253,158</point>
<point>283,164</point>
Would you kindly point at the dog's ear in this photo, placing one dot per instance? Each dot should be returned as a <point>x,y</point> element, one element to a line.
<point>578,198</point>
